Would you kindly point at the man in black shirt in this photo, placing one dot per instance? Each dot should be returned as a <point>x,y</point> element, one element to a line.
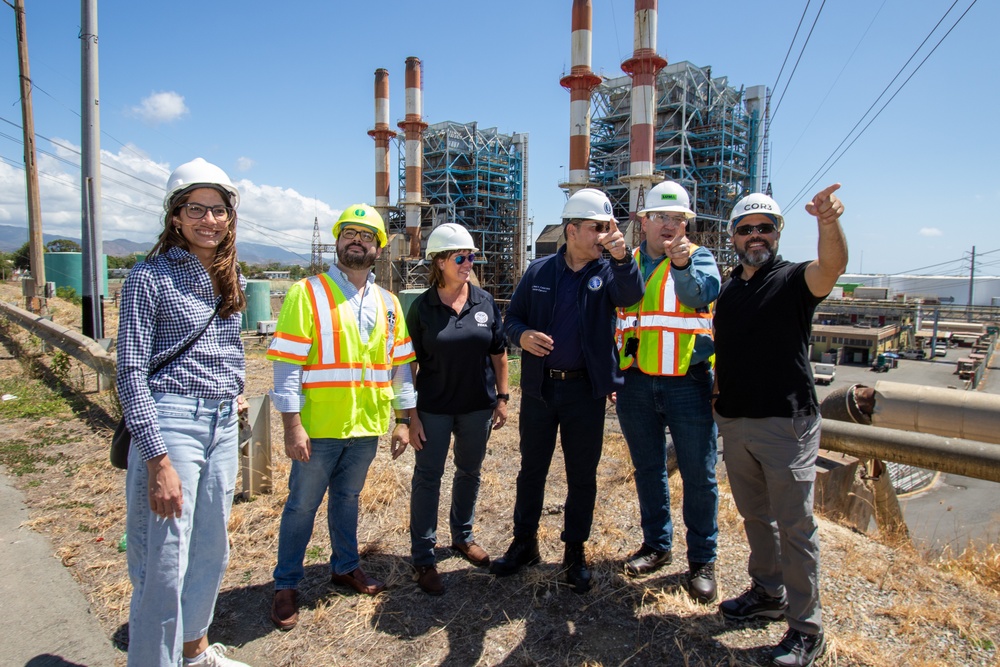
<point>768,416</point>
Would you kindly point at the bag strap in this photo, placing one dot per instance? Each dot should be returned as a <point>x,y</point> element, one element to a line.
<point>189,342</point>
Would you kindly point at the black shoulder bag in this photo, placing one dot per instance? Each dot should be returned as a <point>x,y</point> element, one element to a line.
<point>122,439</point>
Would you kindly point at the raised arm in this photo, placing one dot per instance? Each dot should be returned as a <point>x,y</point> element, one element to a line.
<point>824,271</point>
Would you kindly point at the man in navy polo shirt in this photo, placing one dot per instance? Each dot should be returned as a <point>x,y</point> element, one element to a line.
<point>562,315</point>
<point>768,415</point>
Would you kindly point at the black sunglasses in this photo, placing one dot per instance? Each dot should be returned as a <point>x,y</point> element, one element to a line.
<point>460,259</point>
<point>763,228</point>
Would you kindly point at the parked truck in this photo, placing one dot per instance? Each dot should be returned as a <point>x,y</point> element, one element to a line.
<point>824,373</point>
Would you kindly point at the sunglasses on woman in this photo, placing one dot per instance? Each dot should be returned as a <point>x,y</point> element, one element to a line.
<point>763,228</point>
<point>461,259</point>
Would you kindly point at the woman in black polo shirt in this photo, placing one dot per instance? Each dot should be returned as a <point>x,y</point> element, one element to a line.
<point>461,387</point>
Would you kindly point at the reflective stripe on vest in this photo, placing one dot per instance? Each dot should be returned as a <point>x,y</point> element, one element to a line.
<point>665,328</point>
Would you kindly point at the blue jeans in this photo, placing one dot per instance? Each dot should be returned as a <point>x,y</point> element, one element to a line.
<point>173,603</point>
<point>567,406</point>
<point>649,404</point>
<point>340,466</point>
<point>472,431</point>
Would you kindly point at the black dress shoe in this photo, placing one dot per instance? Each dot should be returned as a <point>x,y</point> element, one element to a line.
<point>701,583</point>
<point>646,560</point>
<point>575,564</point>
<point>522,551</point>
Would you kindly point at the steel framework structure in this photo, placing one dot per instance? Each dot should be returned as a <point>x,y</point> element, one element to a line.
<point>705,139</point>
<point>475,177</point>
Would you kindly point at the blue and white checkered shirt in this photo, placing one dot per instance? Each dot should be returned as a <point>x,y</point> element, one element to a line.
<point>163,302</point>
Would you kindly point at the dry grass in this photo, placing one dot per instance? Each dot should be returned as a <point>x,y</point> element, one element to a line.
<point>883,606</point>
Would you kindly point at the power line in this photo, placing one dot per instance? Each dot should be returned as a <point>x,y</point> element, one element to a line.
<point>817,175</point>
<point>797,61</point>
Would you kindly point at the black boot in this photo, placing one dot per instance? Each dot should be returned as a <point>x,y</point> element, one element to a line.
<point>575,564</point>
<point>522,551</point>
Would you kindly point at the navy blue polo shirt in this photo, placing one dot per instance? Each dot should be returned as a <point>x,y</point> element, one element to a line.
<point>455,374</point>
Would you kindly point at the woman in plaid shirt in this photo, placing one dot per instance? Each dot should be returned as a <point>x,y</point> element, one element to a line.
<point>183,459</point>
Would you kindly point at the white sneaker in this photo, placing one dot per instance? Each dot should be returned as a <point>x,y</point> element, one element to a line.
<point>215,656</point>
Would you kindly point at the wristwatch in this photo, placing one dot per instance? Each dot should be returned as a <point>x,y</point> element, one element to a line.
<point>403,420</point>
<point>503,397</point>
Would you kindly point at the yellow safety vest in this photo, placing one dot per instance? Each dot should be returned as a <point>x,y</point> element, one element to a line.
<point>347,384</point>
<point>666,328</point>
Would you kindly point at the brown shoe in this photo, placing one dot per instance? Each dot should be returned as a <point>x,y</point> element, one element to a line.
<point>473,553</point>
<point>429,580</point>
<point>359,581</point>
<point>285,609</point>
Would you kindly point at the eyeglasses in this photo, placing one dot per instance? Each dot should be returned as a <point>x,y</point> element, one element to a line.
<point>763,228</point>
<point>351,234</point>
<point>461,259</point>
<point>198,211</point>
<point>599,227</point>
<point>667,218</point>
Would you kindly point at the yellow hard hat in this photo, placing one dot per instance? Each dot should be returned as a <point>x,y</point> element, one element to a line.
<point>364,215</point>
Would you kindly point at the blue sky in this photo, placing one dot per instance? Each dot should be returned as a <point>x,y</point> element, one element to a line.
<point>281,96</point>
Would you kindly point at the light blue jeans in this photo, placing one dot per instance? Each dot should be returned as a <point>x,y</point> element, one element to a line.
<point>472,431</point>
<point>340,466</point>
<point>171,602</point>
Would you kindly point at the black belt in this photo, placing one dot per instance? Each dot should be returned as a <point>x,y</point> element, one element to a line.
<point>565,375</point>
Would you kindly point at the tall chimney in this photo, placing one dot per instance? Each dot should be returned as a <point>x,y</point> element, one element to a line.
<point>414,127</point>
<point>580,82</point>
<point>382,134</point>
<point>642,67</point>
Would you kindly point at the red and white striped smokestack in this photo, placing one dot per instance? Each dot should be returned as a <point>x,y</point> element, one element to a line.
<point>643,67</point>
<point>382,134</point>
<point>580,82</point>
<point>414,127</point>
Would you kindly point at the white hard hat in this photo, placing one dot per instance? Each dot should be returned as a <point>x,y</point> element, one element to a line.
<point>199,172</point>
<point>449,236</point>
<point>587,204</point>
<point>668,196</point>
<point>758,202</point>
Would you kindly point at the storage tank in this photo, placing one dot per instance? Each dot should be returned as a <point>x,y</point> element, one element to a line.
<point>258,304</point>
<point>65,269</point>
<point>408,296</point>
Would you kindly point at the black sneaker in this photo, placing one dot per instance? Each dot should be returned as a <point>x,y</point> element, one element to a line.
<point>522,551</point>
<point>646,560</point>
<point>701,582</point>
<point>754,603</point>
<point>797,649</point>
<point>575,564</point>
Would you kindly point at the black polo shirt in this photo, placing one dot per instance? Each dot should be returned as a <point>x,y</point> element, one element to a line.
<point>455,374</point>
<point>762,329</point>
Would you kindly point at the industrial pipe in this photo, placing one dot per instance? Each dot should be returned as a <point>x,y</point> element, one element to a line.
<point>952,455</point>
<point>72,343</point>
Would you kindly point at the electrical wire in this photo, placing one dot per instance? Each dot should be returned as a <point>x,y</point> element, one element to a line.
<point>794,69</point>
<point>817,175</point>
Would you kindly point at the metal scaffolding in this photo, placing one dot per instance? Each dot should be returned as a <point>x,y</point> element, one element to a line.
<point>474,177</point>
<point>706,138</point>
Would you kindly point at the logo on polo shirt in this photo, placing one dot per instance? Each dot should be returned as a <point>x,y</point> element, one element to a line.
<point>595,283</point>
<point>482,319</point>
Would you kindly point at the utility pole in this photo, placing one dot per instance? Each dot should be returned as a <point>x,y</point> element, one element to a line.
<point>90,133</point>
<point>36,288</point>
<point>972,282</point>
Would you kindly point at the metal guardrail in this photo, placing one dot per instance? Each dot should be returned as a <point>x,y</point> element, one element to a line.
<point>69,341</point>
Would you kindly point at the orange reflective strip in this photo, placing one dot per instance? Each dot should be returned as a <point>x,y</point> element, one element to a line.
<point>294,339</point>
<point>334,315</point>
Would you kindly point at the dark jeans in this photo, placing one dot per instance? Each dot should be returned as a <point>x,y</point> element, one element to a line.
<point>647,406</point>
<point>567,406</point>
<point>472,431</point>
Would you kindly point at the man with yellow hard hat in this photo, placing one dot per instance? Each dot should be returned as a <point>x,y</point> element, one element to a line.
<point>341,355</point>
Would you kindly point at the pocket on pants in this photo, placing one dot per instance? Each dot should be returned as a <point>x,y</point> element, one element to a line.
<point>804,474</point>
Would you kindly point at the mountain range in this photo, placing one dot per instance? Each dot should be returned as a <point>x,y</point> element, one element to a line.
<point>12,238</point>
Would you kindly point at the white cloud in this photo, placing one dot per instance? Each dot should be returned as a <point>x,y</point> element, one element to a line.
<point>930,231</point>
<point>244,163</point>
<point>132,201</point>
<point>158,108</point>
